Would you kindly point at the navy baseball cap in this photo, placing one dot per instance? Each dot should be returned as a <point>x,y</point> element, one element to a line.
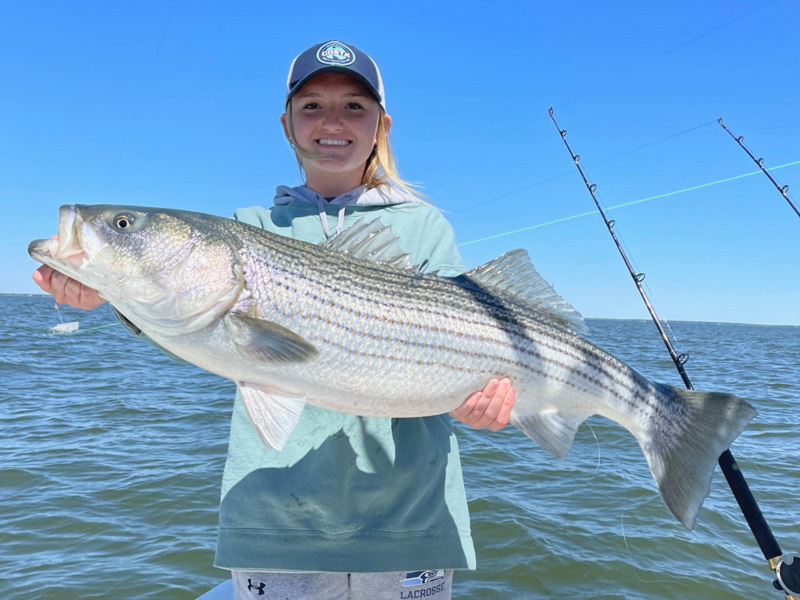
<point>335,57</point>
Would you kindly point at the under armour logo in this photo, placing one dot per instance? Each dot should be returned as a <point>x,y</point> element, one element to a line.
<point>260,587</point>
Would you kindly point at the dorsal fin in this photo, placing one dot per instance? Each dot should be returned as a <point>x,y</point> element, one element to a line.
<point>512,273</point>
<point>372,241</point>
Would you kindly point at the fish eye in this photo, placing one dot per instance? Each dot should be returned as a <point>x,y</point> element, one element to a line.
<point>123,221</point>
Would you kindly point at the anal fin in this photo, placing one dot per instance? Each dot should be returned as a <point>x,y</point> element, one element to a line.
<point>552,430</point>
<point>273,416</point>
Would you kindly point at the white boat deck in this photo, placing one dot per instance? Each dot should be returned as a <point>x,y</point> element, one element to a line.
<point>224,591</point>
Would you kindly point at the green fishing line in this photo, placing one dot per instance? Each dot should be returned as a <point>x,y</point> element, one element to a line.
<point>594,212</point>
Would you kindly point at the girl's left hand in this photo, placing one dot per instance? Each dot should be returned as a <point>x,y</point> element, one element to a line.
<point>490,407</point>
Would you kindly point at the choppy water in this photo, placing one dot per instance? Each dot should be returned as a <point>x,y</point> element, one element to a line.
<point>111,456</point>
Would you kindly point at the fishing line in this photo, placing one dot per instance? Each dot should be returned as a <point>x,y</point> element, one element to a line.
<point>785,567</point>
<point>648,63</point>
<point>664,139</point>
<point>626,251</point>
<point>131,121</point>
<point>624,204</point>
<point>137,108</point>
<point>496,137</point>
<point>84,330</point>
<point>527,187</point>
<point>643,282</point>
<point>622,470</point>
<point>98,327</point>
<point>702,35</point>
<point>585,485</point>
<point>635,560</point>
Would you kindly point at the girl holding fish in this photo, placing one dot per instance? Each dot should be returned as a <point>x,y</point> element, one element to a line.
<point>353,507</point>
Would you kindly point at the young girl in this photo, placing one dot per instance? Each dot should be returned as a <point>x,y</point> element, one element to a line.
<point>352,507</point>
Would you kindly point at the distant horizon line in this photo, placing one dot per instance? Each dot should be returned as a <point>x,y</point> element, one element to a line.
<point>33,294</point>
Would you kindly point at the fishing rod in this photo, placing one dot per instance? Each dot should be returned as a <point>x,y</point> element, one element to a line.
<point>783,190</point>
<point>785,567</point>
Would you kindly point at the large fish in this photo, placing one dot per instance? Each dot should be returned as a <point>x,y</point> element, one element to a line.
<point>352,326</point>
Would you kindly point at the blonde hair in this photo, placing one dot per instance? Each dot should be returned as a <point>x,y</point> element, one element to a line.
<point>380,168</point>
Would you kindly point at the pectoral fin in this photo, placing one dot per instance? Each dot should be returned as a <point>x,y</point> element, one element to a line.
<point>273,416</point>
<point>268,341</point>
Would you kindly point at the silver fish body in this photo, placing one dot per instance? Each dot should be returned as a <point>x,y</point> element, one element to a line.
<point>352,327</point>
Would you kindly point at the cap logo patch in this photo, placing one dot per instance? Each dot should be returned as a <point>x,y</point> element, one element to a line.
<point>335,53</point>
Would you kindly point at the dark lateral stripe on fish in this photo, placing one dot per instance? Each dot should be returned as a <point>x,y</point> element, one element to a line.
<point>594,378</point>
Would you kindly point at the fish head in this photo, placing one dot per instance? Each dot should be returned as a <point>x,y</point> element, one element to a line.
<point>169,272</point>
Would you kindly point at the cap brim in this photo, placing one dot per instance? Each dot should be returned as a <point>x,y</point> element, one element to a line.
<point>335,69</point>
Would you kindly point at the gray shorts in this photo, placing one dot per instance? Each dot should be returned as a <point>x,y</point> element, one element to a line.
<point>272,585</point>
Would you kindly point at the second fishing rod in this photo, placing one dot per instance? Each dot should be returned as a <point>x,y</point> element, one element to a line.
<point>786,568</point>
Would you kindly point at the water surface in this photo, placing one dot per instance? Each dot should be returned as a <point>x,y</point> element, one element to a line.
<point>111,456</point>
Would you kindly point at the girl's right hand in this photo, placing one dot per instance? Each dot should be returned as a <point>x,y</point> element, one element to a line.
<point>65,289</point>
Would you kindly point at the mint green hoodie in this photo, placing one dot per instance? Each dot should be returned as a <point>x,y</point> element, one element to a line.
<point>348,493</point>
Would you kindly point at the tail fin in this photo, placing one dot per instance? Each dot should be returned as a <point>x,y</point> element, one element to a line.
<point>682,453</point>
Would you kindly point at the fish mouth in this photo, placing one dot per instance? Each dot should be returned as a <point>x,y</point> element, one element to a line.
<point>67,246</point>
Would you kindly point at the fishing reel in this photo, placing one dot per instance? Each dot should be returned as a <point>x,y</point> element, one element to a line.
<point>787,568</point>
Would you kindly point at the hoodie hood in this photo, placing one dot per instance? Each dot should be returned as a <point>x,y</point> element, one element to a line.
<point>382,195</point>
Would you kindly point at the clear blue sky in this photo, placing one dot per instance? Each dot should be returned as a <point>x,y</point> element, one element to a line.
<point>176,103</point>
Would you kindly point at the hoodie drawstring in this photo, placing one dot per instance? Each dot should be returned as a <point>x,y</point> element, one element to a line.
<point>323,214</point>
<point>381,195</point>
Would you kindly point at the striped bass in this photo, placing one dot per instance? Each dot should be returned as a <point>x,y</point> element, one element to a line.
<point>351,326</point>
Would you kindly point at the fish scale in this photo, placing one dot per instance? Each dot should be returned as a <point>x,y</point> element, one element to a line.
<point>351,326</point>
<point>396,294</point>
<point>363,304</point>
